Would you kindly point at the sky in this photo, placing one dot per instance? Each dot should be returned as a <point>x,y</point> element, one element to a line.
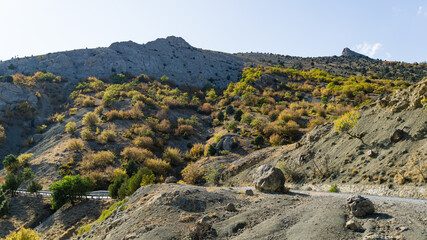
<point>384,29</point>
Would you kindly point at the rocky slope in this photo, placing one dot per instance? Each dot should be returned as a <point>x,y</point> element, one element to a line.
<point>173,211</point>
<point>173,56</point>
<point>390,153</point>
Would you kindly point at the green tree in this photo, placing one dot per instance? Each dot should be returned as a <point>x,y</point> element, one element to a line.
<point>11,163</point>
<point>137,180</point>
<point>4,204</point>
<point>113,189</point>
<point>259,140</point>
<point>69,189</point>
<point>211,150</point>
<point>238,115</point>
<point>34,187</point>
<point>220,116</point>
<point>26,175</point>
<point>229,110</point>
<point>11,184</point>
<point>131,168</point>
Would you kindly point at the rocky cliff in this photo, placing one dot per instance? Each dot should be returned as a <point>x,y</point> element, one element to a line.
<point>173,56</point>
<point>346,52</point>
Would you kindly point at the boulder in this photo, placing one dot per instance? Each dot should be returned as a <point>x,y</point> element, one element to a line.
<point>171,179</point>
<point>230,207</point>
<point>360,206</point>
<point>397,135</point>
<point>249,192</point>
<point>269,179</point>
<point>226,142</point>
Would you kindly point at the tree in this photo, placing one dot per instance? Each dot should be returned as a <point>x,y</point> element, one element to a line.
<point>4,204</point>
<point>346,123</point>
<point>220,116</point>
<point>259,140</point>
<point>34,187</point>
<point>113,189</point>
<point>11,184</point>
<point>229,110</point>
<point>211,150</point>
<point>11,163</point>
<point>238,115</point>
<point>26,175</point>
<point>131,168</point>
<point>69,189</point>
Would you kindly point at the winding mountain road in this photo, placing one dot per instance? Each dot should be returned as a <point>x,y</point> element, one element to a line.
<point>101,194</point>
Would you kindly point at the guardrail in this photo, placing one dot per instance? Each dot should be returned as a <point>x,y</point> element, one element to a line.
<point>101,194</point>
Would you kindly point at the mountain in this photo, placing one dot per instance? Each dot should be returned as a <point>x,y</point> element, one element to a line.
<point>347,52</point>
<point>173,57</point>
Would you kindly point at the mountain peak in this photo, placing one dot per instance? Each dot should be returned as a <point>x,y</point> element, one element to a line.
<point>347,52</point>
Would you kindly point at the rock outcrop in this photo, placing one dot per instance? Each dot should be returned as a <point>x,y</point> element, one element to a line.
<point>346,52</point>
<point>172,56</point>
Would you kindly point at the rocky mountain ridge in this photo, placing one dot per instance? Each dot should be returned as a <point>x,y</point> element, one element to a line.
<point>347,52</point>
<point>173,56</point>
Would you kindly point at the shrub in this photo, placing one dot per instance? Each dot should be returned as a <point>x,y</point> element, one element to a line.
<point>206,108</point>
<point>69,189</point>
<point>71,128</point>
<point>276,140</point>
<point>99,110</point>
<point>197,150</point>
<point>40,129</point>
<point>247,118</point>
<point>97,160</point>
<point>232,126</point>
<point>138,155</point>
<point>90,119</point>
<point>184,130</point>
<point>257,124</point>
<point>347,122</point>
<point>164,126</point>
<point>87,135</point>
<point>217,137</point>
<point>23,234</point>
<point>333,188</point>
<point>288,115</point>
<point>158,166</point>
<point>210,150</point>
<point>172,155</point>
<point>143,142</point>
<point>316,122</point>
<point>143,131</point>
<point>107,135</point>
<point>191,174</point>
<point>11,163</point>
<point>59,118</point>
<point>75,145</point>
<point>114,115</point>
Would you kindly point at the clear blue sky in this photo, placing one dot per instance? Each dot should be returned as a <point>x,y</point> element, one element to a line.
<point>386,29</point>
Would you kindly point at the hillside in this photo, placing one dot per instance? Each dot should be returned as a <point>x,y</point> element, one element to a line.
<point>194,125</point>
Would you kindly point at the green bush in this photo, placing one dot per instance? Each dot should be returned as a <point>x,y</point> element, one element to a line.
<point>247,118</point>
<point>232,126</point>
<point>333,188</point>
<point>34,187</point>
<point>113,189</point>
<point>238,115</point>
<point>11,184</point>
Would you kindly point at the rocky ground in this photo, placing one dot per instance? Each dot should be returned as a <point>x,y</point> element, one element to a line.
<point>173,211</point>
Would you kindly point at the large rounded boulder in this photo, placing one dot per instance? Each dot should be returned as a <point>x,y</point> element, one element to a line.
<point>360,206</point>
<point>269,179</point>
